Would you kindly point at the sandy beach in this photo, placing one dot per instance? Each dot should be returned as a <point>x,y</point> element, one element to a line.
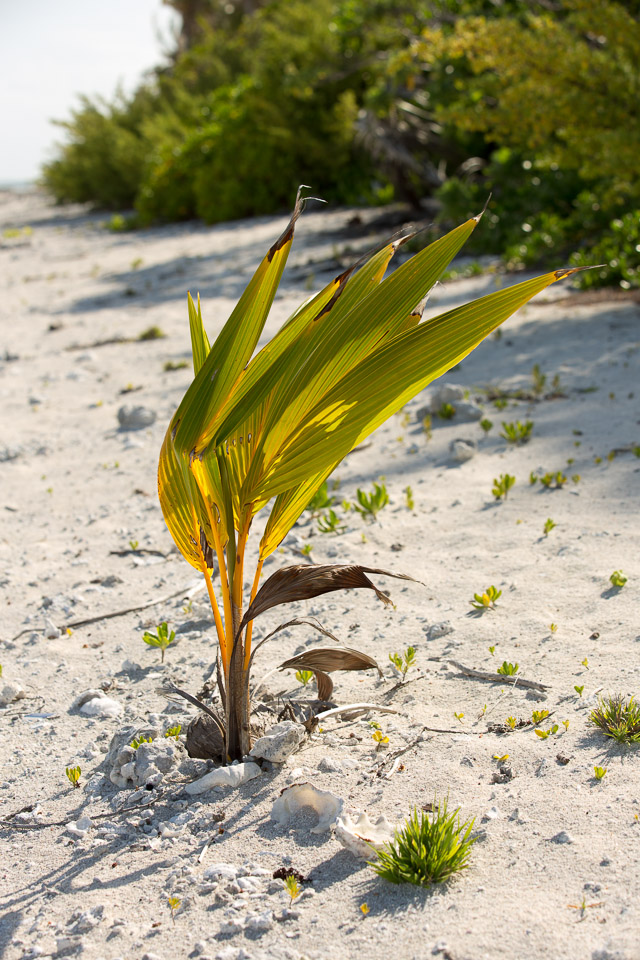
<point>555,872</point>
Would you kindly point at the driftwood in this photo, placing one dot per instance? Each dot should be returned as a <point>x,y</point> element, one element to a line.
<point>518,681</point>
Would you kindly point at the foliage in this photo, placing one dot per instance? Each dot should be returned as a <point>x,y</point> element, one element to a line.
<point>73,775</point>
<point>487,599</point>
<point>508,669</point>
<point>292,887</point>
<point>517,432</point>
<point>137,741</point>
<point>173,732</point>
<point>251,431</point>
<point>321,500</point>
<point>618,718</point>
<point>618,579</point>
<point>427,849</point>
<point>370,504</point>
<point>330,523</point>
<point>403,661</point>
<point>545,734</point>
<point>162,639</point>
<point>502,485</point>
<point>304,676</point>
<point>549,524</point>
<point>599,772</point>
<point>486,425</point>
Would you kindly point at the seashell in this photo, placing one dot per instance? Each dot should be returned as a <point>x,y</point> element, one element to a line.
<point>300,795</point>
<point>356,834</point>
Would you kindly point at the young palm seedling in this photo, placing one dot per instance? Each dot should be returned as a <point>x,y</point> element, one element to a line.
<point>427,849</point>
<point>369,505</point>
<point>486,600</point>
<point>617,718</point>
<point>161,639</point>
<point>253,431</point>
<point>502,485</point>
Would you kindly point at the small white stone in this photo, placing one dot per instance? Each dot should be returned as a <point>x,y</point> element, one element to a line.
<point>260,922</point>
<point>462,450</point>
<point>438,630</point>
<point>279,742</point>
<point>492,814</point>
<point>12,690</point>
<point>231,776</point>
<point>80,827</point>
<point>216,871</point>
<point>101,707</point>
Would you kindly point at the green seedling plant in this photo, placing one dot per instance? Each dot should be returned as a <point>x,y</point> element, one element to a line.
<point>306,549</point>
<point>380,738</point>
<point>330,523</point>
<point>492,651</point>
<point>599,773</point>
<point>447,411</point>
<point>501,403</point>
<point>162,639</point>
<point>134,544</point>
<point>174,903</point>
<point>618,579</point>
<point>292,887</point>
<point>73,776</point>
<point>152,333</point>
<point>459,717</point>
<point>511,722</point>
<point>428,848</point>
<point>138,741</point>
<point>426,426</point>
<point>553,627</point>
<point>261,428</point>
<point>539,715</point>
<point>549,524</point>
<point>539,380</point>
<point>502,485</point>
<point>369,505</point>
<point>618,718</point>
<point>508,669</point>
<point>565,724</point>
<point>170,365</point>
<point>579,689</point>
<point>321,500</point>
<point>486,425</point>
<point>172,732</point>
<point>553,481</point>
<point>403,661</point>
<point>408,498</point>
<point>517,432</point>
<point>585,663</point>
<point>545,734</point>
<point>364,909</point>
<point>486,600</point>
<point>304,676</point>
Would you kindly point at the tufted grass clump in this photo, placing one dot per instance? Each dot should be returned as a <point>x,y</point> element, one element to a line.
<point>427,849</point>
<point>617,718</point>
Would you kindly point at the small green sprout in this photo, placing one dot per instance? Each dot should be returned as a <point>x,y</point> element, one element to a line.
<point>599,772</point>
<point>381,739</point>
<point>544,734</point>
<point>501,757</point>
<point>321,500</point>
<point>137,263</point>
<point>292,887</point>
<point>306,550</point>
<point>426,426</point>
<point>548,526</point>
<point>517,432</point>
<point>459,716</point>
<point>553,481</point>
<point>539,380</point>
<point>138,741</point>
<point>500,403</point>
<point>172,732</point>
<point>492,651</point>
<point>553,627</point>
<point>508,669</point>
<point>576,477</point>
<point>585,663</point>
<point>403,661</point>
<point>425,849</point>
<point>364,909</point>
<point>171,365</point>
<point>330,523</point>
<point>0,669</point>
<point>617,718</point>
<point>578,689</point>
<point>161,639</point>
<point>73,776</point>
<point>539,715</point>
<point>502,485</point>
<point>486,600</point>
<point>152,333</point>
<point>533,478</point>
<point>565,724</point>
<point>511,722</point>
<point>486,425</point>
<point>133,544</point>
<point>618,579</point>
<point>174,903</point>
<point>370,504</point>
<point>304,676</point>
<point>408,498</point>
<point>447,411</point>
<point>187,607</point>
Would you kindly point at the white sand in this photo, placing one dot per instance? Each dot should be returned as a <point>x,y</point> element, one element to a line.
<point>78,489</point>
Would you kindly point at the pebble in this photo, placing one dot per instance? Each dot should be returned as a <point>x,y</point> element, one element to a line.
<point>217,871</point>
<point>462,450</point>
<point>80,827</point>
<point>12,690</point>
<point>259,923</point>
<point>135,418</point>
<point>279,742</point>
<point>101,707</point>
<point>232,776</point>
<point>437,630</point>
<point>491,814</point>
<point>562,837</point>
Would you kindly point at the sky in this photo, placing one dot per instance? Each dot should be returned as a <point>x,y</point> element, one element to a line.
<point>53,50</point>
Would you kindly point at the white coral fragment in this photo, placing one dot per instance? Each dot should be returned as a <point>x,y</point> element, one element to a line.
<point>295,798</point>
<point>360,834</point>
